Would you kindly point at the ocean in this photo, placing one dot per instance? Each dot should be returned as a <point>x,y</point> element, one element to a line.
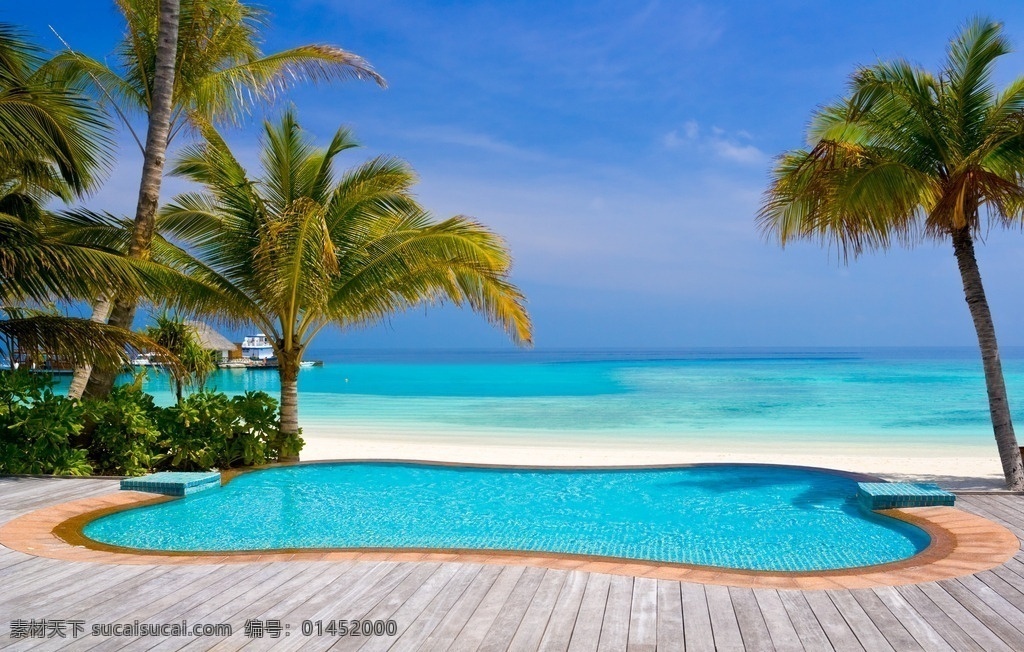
<point>864,397</point>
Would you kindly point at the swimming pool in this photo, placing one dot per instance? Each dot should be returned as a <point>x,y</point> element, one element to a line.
<point>768,518</point>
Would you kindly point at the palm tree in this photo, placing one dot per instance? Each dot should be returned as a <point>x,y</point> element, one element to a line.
<point>910,155</point>
<point>208,70</point>
<point>181,339</point>
<point>53,142</point>
<point>303,249</point>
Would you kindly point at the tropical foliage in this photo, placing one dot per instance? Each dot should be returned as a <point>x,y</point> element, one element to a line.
<point>195,364</point>
<point>302,247</point>
<point>184,64</point>
<point>907,155</point>
<point>41,431</point>
<point>53,143</point>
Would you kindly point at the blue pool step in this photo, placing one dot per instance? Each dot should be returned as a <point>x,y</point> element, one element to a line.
<point>892,495</point>
<point>173,483</point>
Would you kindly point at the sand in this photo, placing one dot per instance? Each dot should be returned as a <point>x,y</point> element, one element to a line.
<point>952,467</point>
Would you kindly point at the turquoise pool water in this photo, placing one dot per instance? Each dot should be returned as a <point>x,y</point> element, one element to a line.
<point>734,516</point>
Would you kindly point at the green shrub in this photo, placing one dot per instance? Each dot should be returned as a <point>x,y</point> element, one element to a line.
<point>209,430</point>
<point>38,427</point>
<point>195,432</point>
<point>129,434</point>
<point>124,431</point>
<point>256,433</point>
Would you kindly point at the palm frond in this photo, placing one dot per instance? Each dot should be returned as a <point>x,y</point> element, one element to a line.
<point>78,341</point>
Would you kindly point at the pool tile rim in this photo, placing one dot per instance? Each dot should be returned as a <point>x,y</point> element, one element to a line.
<point>962,544</point>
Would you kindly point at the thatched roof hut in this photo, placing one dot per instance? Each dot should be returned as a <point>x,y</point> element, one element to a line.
<point>211,339</point>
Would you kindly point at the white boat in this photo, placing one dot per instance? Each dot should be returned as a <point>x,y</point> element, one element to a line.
<point>143,360</point>
<point>257,347</point>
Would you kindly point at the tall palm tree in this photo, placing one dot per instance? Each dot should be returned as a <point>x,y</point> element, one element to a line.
<point>53,143</point>
<point>303,248</point>
<point>218,74</point>
<point>910,155</point>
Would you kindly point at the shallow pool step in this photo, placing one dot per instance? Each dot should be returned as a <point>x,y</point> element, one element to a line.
<point>173,483</point>
<point>892,495</point>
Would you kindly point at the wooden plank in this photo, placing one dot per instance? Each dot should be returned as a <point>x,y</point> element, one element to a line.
<point>80,583</point>
<point>751,621</point>
<point>998,594</point>
<point>643,616</point>
<point>348,598</point>
<point>806,624</point>
<point>565,614</point>
<point>476,626</point>
<point>170,607</point>
<point>832,622</point>
<point>615,628</point>
<point>864,628</point>
<point>967,621</point>
<point>925,635</point>
<point>1007,507</point>
<point>586,632</point>
<point>989,607</point>
<point>221,601</point>
<point>469,602</point>
<point>587,628</point>
<point>413,635</point>
<point>724,627</point>
<point>403,606</point>
<point>504,626</point>
<point>776,618</point>
<point>670,616</point>
<point>990,508</point>
<point>535,621</point>
<point>44,574</point>
<point>1007,576</point>
<point>307,579</point>
<point>696,618</point>
<point>950,630</point>
<point>1014,566</point>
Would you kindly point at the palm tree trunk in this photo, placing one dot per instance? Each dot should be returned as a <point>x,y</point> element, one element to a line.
<point>160,111</point>
<point>288,369</point>
<point>998,404</point>
<point>100,313</point>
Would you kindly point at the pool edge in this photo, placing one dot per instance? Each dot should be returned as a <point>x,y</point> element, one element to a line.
<point>961,544</point>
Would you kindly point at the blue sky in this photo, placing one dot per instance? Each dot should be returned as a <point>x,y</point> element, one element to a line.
<point>622,149</point>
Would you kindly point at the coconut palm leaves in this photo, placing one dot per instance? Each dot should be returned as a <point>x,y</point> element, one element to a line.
<point>53,141</point>
<point>37,267</point>
<point>221,72</point>
<point>52,144</point>
<point>305,247</point>
<point>188,63</point>
<point>908,154</point>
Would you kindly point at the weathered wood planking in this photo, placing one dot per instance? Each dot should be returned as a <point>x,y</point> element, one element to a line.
<point>455,606</point>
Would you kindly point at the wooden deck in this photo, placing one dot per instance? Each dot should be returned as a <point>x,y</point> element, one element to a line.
<point>453,606</point>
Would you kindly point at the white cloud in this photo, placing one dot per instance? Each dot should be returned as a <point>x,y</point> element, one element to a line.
<point>691,129</point>
<point>730,151</point>
<point>671,140</point>
<point>472,140</point>
<point>721,143</point>
<point>674,140</point>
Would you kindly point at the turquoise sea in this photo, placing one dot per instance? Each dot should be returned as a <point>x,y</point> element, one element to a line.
<point>906,396</point>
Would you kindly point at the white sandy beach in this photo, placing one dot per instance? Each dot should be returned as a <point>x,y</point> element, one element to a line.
<point>952,467</point>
